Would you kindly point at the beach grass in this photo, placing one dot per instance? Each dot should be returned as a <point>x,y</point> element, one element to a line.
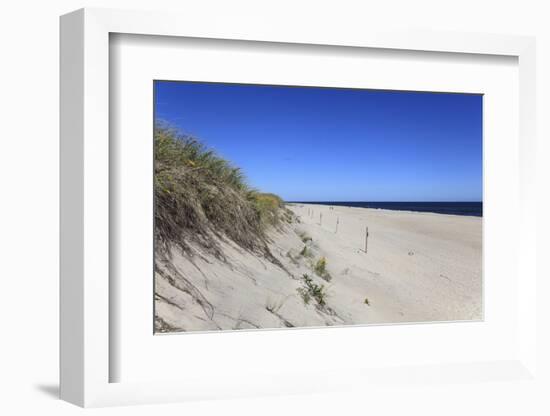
<point>202,198</point>
<point>320,269</point>
<point>311,290</point>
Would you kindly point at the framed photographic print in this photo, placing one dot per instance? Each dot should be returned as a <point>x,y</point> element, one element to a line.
<point>244,213</point>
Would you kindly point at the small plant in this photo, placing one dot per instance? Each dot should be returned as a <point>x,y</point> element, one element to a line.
<point>320,269</point>
<point>366,301</point>
<point>312,290</point>
<point>273,306</point>
<point>306,252</point>
<point>321,266</point>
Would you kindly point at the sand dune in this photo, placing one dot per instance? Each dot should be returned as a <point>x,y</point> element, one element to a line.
<point>418,267</point>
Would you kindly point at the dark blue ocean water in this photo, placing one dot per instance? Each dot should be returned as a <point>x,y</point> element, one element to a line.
<point>450,208</point>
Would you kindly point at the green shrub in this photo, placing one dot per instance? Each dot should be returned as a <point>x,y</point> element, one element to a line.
<point>320,269</point>
<point>311,290</point>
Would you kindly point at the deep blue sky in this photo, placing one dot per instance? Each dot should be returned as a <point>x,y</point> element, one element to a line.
<point>321,144</point>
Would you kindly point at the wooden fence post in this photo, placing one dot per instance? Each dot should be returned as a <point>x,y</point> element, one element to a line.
<point>366,239</point>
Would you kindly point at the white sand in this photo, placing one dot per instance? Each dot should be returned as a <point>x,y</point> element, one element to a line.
<point>418,267</point>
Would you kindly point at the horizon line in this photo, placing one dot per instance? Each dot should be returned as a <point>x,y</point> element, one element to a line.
<point>312,201</point>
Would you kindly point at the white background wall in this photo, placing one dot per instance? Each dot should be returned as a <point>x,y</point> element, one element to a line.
<point>29,204</point>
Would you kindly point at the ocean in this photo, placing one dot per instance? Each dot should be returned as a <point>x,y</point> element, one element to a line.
<point>451,208</point>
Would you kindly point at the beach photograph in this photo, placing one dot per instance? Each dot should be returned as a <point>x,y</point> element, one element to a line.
<point>282,207</point>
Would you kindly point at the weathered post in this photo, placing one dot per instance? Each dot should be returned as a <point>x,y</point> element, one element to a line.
<point>366,239</point>
<point>337,222</point>
<point>321,218</point>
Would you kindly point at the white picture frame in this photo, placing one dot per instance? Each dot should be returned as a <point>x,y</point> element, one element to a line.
<point>86,356</point>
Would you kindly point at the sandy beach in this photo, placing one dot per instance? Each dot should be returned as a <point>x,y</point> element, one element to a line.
<point>418,267</point>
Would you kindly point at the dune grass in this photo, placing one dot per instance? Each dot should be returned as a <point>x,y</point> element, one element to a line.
<point>320,269</point>
<point>306,252</point>
<point>201,198</point>
<point>311,290</point>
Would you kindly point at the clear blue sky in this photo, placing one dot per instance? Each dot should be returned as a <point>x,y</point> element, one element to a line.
<point>321,144</point>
